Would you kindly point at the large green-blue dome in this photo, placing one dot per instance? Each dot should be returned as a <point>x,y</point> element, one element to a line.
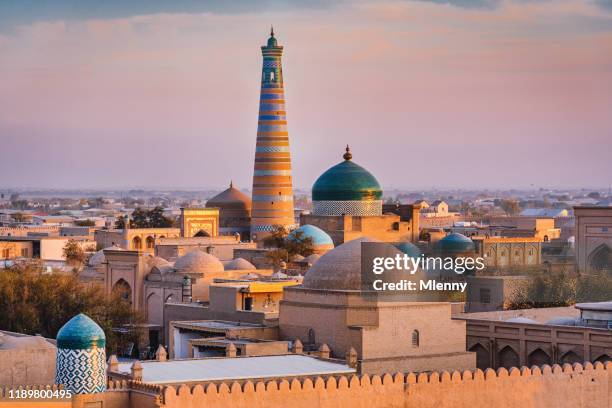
<point>346,181</point>
<point>80,333</point>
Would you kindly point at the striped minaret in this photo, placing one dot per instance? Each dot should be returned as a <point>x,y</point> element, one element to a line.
<point>272,186</point>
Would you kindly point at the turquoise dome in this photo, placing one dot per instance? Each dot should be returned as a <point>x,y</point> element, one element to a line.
<point>346,181</point>
<point>318,236</point>
<point>80,333</point>
<point>272,41</point>
<point>409,249</point>
<point>455,243</point>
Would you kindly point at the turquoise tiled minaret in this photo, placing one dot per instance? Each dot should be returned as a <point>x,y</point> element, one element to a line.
<point>81,359</point>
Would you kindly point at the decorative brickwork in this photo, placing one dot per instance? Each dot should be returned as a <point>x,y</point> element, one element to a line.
<point>349,207</point>
<point>272,184</point>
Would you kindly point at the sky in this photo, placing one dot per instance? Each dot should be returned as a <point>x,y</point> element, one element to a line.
<point>428,94</point>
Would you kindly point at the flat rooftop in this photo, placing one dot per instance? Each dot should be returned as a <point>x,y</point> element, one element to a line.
<point>237,368</point>
<point>603,306</point>
<point>215,324</point>
<point>542,315</point>
<point>205,341</point>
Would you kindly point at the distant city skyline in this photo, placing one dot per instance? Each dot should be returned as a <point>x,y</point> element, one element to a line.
<point>428,94</point>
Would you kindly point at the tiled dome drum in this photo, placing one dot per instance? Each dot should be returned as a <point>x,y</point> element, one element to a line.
<point>347,188</point>
<point>81,359</point>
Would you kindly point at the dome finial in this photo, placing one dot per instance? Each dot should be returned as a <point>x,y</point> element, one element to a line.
<point>348,155</point>
<point>231,183</point>
<point>271,31</point>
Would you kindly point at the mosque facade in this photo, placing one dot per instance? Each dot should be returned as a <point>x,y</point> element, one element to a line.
<point>347,204</point>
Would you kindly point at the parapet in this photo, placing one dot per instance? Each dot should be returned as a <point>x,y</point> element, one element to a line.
<point>358,385</point>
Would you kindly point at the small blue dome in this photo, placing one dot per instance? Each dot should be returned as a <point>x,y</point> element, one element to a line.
<point>80,333</point>
<point>409,249</point>
<point>272,41</point>
<point>318,236</point>
<point>455,243</point>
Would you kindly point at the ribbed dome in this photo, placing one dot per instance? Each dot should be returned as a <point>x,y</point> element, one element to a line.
<point>318,236</point>
<point>80,333</point>
<point>455,243</point>
<point>346,181</point>
<point>239,264</point>
<point>232,198</point>
<point>197,261</point>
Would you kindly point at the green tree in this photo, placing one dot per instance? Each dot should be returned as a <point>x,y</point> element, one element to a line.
<point>277,256</point>
<point>156,218</point>
<point>287,245</point>
<point>153,218</point>
<point>73,253</point>
<point>85,223</point>
<point>120,222</point>
<point>277,237</point>
<point>139,218</point>
<point>298,244</point>
<point>545,290</point>
<point>33,302</point>
<point>511,207</point>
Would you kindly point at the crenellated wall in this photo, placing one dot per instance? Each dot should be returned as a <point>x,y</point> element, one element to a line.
<point>547,387</point>
<point>577,386</point>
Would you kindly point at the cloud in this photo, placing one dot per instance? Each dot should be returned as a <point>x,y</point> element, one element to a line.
<point>176,92</point>
<point>486,4</point>
<point>20,12</point>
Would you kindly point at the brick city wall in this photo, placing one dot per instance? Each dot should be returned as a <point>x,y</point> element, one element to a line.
<point>577,386</point>
<point>547,387</point>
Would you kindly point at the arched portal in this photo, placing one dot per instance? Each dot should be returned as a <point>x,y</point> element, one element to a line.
<point>508,358</point>
<point>601,258</point>
<point>202,233</point>
<point>123,289</point>
<point>155,309</point>
<point>538,357</point>
<point>136,243</point>
<point>150,242</point>
<point>570,358</point>
<point>311,336</point>
<point>603,358</point>
<point>482,356</point>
